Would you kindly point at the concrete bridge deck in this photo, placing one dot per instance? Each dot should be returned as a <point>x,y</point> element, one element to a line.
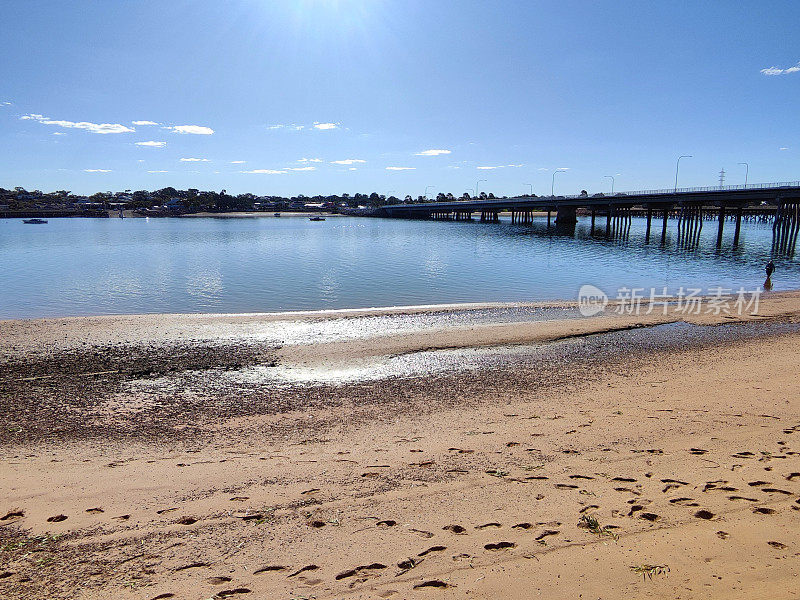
<point>692,205</point>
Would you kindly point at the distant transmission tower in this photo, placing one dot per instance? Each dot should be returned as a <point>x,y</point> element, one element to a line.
<point>722,177</point>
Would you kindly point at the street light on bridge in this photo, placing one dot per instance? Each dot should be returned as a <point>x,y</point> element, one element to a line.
<point>611,177</point>
<point>553,183</point>
<point>477,184</point>
<point>425,195</point>
<point>531,186</point>
<point>746,171</point>
<point>678,164</point>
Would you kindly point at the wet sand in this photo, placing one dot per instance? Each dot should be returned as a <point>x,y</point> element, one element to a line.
<point>482,452</point>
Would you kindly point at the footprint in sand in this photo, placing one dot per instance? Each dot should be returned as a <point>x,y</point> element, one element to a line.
<point>304,570</point>
<point>589,507</point>
<point>423,533</point>
<point>233,592</point>
<point>186,521</point>
<point>311,491</point>
<point>95,510</point>
<point>776,491</point>
<point>457,529</point>
<point>763,510</point>
<point>565,486</point>
<point>56,518</point>
<point>546,533</point>
<point>386,524</point>
<point>240,498</point>
<point>219,580</point>
<point>359,570</point>
<point>165,510</point>
<point>624,479</point>
<point>649,516</point>
<point>163,596</point>
<point>792,476</point>
<point>500,546</point>
<point>433,583</point>
<point>777,545</point>
<point>487,525</point>
<point>432,549</point>
<point>316,524</point>
<point>745,498</point>
<point>704,514</point>
<point>723,535</point>
<point>269,569</point>
<point>697,451</point>
<point>758,483</point>
<point>13,515</point>
<point>522,526</point>
<point>194,565</point>
<point>580,477</point>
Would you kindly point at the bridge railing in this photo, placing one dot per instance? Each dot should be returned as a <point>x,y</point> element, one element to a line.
<point>688,190</point>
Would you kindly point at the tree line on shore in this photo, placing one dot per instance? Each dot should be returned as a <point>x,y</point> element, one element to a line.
<point>195,200</point>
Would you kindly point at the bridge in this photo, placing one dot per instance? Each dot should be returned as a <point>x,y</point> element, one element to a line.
<point>691,204</point>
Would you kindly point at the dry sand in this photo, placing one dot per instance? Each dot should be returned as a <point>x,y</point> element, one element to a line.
<point>657,463</point>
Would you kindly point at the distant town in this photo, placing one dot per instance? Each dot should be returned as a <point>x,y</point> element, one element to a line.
<point>169,202</point>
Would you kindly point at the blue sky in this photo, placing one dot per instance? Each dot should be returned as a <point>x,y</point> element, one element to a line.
<point>333,96</point>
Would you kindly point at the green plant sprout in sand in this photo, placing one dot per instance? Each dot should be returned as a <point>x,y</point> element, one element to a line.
<point>591,523</point>
<point>647,571</point>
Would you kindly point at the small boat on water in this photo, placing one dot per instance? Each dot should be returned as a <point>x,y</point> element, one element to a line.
<point>316,218</point>
<point>34,221</point>
<point>277,215</point>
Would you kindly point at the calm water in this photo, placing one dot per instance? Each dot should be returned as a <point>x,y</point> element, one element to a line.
<point>112,266</point>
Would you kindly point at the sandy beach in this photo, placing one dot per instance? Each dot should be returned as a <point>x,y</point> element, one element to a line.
<point>483,451</point>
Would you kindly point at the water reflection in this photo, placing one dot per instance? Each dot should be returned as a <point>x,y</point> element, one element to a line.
<point>106,266</point>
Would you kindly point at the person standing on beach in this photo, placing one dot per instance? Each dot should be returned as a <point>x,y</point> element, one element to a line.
<point>769,268</point>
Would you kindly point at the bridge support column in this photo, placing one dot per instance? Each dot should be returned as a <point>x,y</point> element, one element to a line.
<point>664,226</point>
<point>591,231</point>
<point>649,222</point>
<point>608,220</point>
<point>548,216</point>
<point>721,225</point>
<point>738,226</point>
<point>566,215</point>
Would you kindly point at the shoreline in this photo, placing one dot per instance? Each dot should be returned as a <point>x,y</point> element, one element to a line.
<point>154,456</point>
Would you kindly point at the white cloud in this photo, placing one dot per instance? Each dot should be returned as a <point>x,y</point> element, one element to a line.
<point>102,128</point>
<point>158,171</point>
<point>301,168</point>
<point>347,161</point>
<point>144,122</point>
<point>318,125</point>
<point>238,162</point>
<point>290,126</point>
<point>152,144</point>
<point>488,168</point>
<point>97,170</point>
<point>59,133</point>
<point>432,152</point>
<point>315,160</point>
<point>192,129</point>
<point>779,71</point>
<point>266,172</point>
<point>400,168</point>
<point>520,165</point>
<point>195,160</point>
<point>5,103</point>
<point>783,148</point>
<point>352,169</point>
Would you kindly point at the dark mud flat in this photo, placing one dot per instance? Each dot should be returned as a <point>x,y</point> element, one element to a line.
<point>173,392</point>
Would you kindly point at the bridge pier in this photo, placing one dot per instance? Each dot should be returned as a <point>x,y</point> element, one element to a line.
<point>721,225</point>
<point>591,231</point>
<point>548,217</point>
<point>664,225</point>
<point>738,226</point>
<point>566,215</point>
<point>786,228</point>
<point>609,214</point>
<point>649,222</point>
